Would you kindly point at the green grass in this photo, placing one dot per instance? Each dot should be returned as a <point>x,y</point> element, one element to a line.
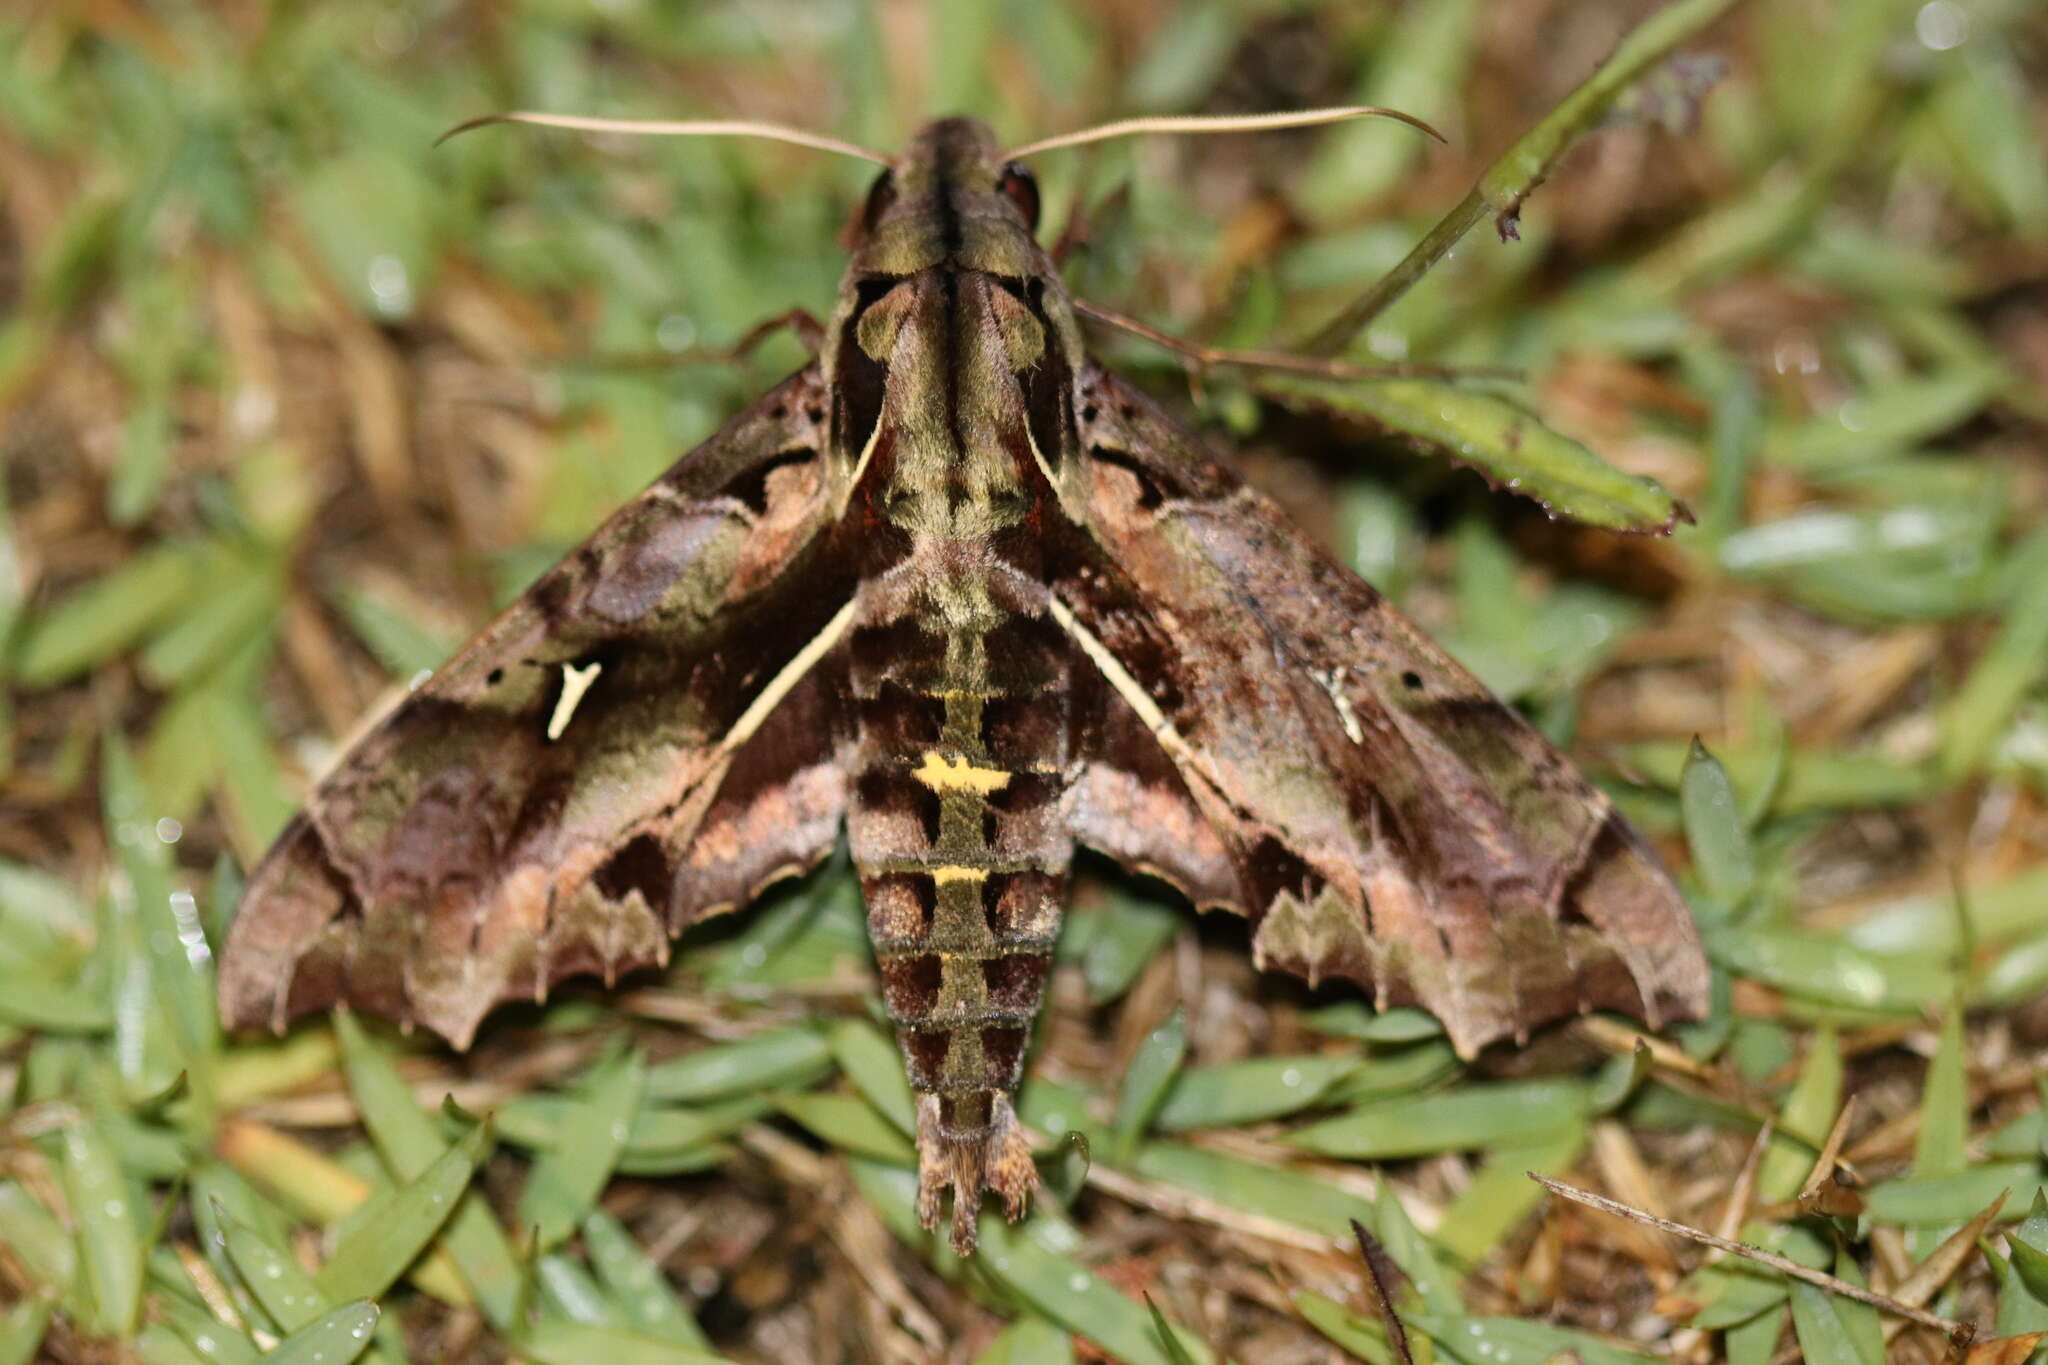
<point>289,399</point>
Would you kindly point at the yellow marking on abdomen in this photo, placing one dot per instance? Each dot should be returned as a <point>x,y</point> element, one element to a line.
<point>942,774</point>
<point>942,875</point>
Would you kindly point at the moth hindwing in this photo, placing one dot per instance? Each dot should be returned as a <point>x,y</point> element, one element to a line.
<point>956,589</point>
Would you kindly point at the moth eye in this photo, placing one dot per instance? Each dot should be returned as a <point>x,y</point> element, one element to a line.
<point>1022,188</point>
<point>880,196</point>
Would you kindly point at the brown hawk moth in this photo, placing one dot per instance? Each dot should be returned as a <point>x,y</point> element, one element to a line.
<point>956,589</point>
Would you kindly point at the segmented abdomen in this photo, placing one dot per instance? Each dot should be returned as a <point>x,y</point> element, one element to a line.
<point>955,825</point>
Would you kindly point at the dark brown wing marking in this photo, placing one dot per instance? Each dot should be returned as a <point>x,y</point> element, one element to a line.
<point>644,738</point>
<point>1387,819</point>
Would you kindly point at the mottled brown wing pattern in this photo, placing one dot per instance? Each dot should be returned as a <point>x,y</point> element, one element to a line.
<point>1386,818</point>
<point>644,738</point>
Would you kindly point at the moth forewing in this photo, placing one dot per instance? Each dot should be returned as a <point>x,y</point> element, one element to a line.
<point>960,590</point>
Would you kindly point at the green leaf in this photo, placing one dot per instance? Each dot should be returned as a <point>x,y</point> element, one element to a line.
<point>399,1223</point>
<point>108,615</point>
<point>1029,1341</point>
<point>2010,666</point>
<point>22,1329</point>
<point>1513,448</point>
<point>850,1124</point>
<point>1502,1195</point>
<point>1255,1188</point>
<point>1946,1201</point>
<point>642,1292</point>
<point>1517,1341</point>
<point>1809,1112</point>
<point>567,1178</point>
<point>1068,1293</point>
<point>1362,1335</point>
<point>46,1251</point>
<point>2029,1245</point>
<point>338,1338</point>
<point>873,1064</point>
<point>1827,967</point>
<point>410,1142</point>
<point>1146,1080</point>
<point>1715,831</point>
<point>552,1341</point>
<point>1128,934</point>
<point>1466,1118</point>
<point>109,1230</point>
<point>787,1058</point>
<point>1251,1091</point>
<point>274,1277</point>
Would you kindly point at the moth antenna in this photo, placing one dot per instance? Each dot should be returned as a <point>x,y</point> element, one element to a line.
<point>674,128</point>
<point>1218,123</point>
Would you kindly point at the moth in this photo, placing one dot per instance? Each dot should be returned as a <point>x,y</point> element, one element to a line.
<point>955,589</point>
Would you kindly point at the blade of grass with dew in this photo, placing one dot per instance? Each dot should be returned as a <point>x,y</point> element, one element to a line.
<point>1733,1294</point>
<point>2028,1244</point>
<point>402,1221</point>
<point>875,1067</point>
<point>787,1058</point>
<point>246,594</point>
<point>22,1329</point>
<point>102,619</point>
<point>1466,1118</point>
<point>1833,1330</point>
<point>405,645</point>
<point>317,1187</point>
<point>275,1278</point>
<point>1827,968</point>
<point>339,1337</point>
<point>2010,666</point>
<point>1064,1291</point>
<point>1715,832</point>
<point>566,1290</point>
<point>1127,936</point>
<point>156,1344</point>
<point>1236,1094</point>
<point>566,1179</point>
<point>1813,779</point>
<point>1053,1108</point>
<point>655,1133</point>
<point>109,1234</point>
<point>552,1341</point>
<point>1256,1188</point>
<point>1361,1334</point>
<point>1356,1019</point>
<point>851,1124</point>
<point>1434,1284</point>
<point>1146,1080</point>
<point>410,1142</point>
<point>166,925</point>
<point>1029,1341</point>
<point>637,1284</point>
<point>47,1252</point>
<point>204,1335</point>
<point>1517,1341</point>
<point>1510,446</point>
<point>1944,1202</point>
<point>1501,1195</point>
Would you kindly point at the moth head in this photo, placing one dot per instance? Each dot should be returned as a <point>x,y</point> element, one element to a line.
<point>955,160</point>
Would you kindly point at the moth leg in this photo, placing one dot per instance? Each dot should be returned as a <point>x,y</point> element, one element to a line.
<point>809,331</point>
<point>970,1143</point>
<point>1199,358</point>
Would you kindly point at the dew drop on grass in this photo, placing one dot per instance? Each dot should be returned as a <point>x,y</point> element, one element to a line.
<point>1291,1077</point>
